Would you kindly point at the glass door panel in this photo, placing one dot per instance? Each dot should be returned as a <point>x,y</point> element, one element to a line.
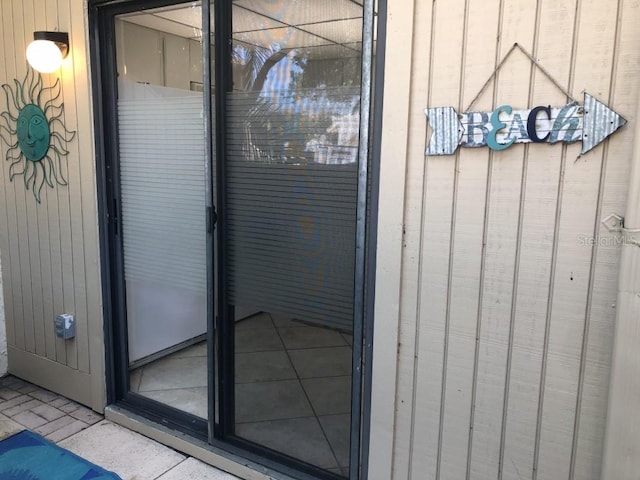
<point>284,167</point>
<point>162,202</point>
<point>291,178</point>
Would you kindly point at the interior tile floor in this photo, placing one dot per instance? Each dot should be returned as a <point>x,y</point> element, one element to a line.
<point>292,387</point>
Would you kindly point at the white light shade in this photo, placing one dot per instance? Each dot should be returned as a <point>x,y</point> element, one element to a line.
<point>44,56</point>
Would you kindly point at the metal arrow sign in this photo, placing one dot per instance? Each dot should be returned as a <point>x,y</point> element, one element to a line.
<point>590,123</point>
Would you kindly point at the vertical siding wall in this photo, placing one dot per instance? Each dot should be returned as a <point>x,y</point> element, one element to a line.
<point>506,316</point>
<point>49,251</point>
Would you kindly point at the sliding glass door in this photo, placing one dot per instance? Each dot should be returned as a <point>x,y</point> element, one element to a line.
<point>235,156</point>
<point>290,209</point>
<point>162,202</point>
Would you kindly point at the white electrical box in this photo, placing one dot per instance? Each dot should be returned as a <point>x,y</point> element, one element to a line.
<point>65,326</point>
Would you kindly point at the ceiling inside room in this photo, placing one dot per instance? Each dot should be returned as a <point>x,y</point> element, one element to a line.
<point>325,29</point>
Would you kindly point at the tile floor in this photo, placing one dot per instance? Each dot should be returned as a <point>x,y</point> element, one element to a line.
<point>84,432</point>
<point>292,393</point>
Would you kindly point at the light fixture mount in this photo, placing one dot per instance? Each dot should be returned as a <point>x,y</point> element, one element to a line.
<point>48,50</point>
<point>61,39</point>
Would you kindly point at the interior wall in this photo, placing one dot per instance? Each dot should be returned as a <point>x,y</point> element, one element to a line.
<point>150,56</point>
<point>508,279</point>
<point>50,253</point>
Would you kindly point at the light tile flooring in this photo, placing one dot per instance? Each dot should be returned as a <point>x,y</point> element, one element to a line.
<point>292,392</point>
<point>85,433</point>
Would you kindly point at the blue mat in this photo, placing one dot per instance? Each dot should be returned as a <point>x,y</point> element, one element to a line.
<point>28,456</point>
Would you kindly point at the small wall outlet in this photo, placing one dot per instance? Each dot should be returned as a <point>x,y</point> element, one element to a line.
<point>65,326</point>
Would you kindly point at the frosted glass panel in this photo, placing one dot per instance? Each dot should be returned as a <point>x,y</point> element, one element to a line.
<point>291,177</point>
<point>163,215</point>
<point>162,206</point>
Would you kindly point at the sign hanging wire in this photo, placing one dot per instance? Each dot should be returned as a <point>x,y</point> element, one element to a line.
<point>533,60</point>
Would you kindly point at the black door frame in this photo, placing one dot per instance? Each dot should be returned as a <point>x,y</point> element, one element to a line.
<point>103,61</point>
<point>103,74</point>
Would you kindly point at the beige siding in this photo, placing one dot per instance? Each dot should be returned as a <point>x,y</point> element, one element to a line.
<point>50,250</point>
<point>506,318</point>
<point>3,332</point>
<point>622,444</point>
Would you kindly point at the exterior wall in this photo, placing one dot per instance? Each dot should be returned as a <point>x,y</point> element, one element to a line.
<point>504,310</point>
<point>503,316</point>
<point>3,331</point>
<point>50,254</point>
<point>622,447</point>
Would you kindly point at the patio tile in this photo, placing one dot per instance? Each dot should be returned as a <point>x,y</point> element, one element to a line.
<point>22,407</point>
<point>301,438</point>
<point>68,407</point>
<point>263,367</point>
<point>8,427</point>
<point>322,362</point>
<point>65,432</point>
<point>7,404</point>
<point>128,454</point>
<point>49,428</point>
<point>86,415</point>
<point>28,389</point>
<point>271,401</point>
<point>29,420</point>
<point>12,382</point>
<point>8,393</point>
<point>48,412</point>
<point>192,469</point>
<point>59,402</point>
<point>44,396</point>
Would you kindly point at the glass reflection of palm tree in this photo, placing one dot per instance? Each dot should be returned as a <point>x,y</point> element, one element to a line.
<point>258,61</point>
<point>274,77</point>
<point>30,118</point>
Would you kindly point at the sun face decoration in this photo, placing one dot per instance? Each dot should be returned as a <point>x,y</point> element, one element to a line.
<point>34,132</point>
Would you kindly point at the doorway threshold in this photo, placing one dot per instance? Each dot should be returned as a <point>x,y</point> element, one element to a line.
<point>223,459</point>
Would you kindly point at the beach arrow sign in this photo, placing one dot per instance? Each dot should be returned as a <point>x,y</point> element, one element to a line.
<point>590,123</point>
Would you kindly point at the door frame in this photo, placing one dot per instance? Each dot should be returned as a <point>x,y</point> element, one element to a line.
<point>103,62</point>
<point>103,53</point>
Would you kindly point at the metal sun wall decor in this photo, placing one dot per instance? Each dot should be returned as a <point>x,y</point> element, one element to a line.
<point>33,129</point>
<point>590,123</point>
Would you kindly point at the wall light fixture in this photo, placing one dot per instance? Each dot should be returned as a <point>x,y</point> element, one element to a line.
<point>48,49</point>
